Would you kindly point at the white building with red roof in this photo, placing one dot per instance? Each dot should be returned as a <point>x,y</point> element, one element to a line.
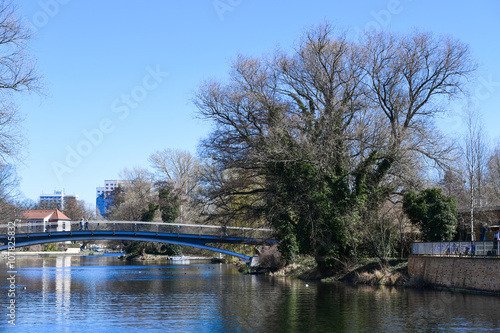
<point>43,220</point>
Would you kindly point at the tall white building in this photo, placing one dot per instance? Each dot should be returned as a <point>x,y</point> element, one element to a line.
<point>56,200</point>
<point>103,196</point>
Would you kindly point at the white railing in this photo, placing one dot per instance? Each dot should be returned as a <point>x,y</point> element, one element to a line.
<point>457,248</point>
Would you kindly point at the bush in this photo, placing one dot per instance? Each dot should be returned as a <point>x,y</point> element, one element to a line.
<point>433,212</point>
<point>35,248</point>
<point>50,247</point>
<point>171,249</point>
<point>271,257</point>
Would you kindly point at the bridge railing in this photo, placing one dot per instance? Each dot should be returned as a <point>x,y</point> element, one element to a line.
<point>458,248</point>
<point>135,226</point>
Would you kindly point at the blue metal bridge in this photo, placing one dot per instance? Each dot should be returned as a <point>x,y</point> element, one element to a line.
<point>19,234</point>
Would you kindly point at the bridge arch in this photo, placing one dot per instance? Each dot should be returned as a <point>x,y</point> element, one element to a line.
<point>145,238</point>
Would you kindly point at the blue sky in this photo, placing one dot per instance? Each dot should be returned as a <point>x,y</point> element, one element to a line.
<point>118,76</point>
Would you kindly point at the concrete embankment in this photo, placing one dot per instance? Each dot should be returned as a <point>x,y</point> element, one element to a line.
<point>459,273</point>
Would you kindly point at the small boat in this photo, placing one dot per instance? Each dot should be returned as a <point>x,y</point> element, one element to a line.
<point>218,260</point>
<point>179,258</point>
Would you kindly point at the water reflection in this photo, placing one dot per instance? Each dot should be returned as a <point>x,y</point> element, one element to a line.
<point>62,287</point>
<point>103,294</point>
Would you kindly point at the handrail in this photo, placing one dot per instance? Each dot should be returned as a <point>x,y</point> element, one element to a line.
<point>31,229</point>
<point>20,224</point>
<point>457,248</point>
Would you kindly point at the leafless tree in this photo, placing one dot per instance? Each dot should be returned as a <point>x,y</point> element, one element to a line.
<point>453,184</point>
<point>475,156</point>
<point>406,76</point>
<point>135,193</point>
<point>9,183</point>
<point>332,120</point>
<point>493,174</point>
<point>220,204</point>
<point>17,73</point>
<point>182,170</point>
<point>77,209</point>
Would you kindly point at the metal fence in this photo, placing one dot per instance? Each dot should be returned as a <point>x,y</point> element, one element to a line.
<point>136,226</point>
<point>458,249</point>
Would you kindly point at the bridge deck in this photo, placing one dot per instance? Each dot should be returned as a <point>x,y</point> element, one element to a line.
<point>19,234</point>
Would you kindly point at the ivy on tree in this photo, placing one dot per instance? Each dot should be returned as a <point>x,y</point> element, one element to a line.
<point>433,212</point>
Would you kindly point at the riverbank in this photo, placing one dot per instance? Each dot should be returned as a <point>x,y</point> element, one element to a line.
<point>366,272</point>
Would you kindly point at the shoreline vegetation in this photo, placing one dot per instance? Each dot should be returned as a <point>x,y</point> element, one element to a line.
<point>367,272</point>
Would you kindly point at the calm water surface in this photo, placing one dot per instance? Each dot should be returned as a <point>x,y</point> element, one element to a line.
<point>104,294</point>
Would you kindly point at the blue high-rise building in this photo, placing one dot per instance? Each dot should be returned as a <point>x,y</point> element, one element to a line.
<point>104,197</point>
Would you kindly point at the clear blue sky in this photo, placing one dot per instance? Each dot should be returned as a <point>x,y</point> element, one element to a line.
<point>93,54</point>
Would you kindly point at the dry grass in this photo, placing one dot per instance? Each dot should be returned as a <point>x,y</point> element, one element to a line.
<point>370,272</point>
<point>300,268</point>
<point>380,278</point>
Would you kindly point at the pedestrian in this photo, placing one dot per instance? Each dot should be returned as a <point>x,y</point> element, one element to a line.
<point>81,225</point>
<point>87,224</point>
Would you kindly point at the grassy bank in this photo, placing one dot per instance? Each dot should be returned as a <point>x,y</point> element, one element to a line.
<point>371,272</point>
<point>367,272</point>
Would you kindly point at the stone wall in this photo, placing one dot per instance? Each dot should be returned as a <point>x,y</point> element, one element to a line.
<point>479,274</point>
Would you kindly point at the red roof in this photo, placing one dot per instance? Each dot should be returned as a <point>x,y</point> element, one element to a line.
<point>40,214</point>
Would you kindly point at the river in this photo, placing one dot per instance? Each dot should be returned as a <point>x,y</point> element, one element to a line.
<point>104,294</point>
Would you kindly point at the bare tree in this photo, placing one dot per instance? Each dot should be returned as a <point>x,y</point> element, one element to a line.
<point>493,174</point>
<point>135,193</point>
<point>453,184</point>
<point>182,170</point>
<point>77,209</point>
<point>9,183</point>
<point>324,135</point>
<point>406,76</point>
<point>17,73</point>
<point>475,156</point>
<point>220,204</point>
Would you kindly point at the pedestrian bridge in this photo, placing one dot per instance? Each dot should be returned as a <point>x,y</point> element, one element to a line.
<point>19,234</point>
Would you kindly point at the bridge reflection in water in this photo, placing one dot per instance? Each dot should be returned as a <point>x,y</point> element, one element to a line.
<point>194,235</point>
